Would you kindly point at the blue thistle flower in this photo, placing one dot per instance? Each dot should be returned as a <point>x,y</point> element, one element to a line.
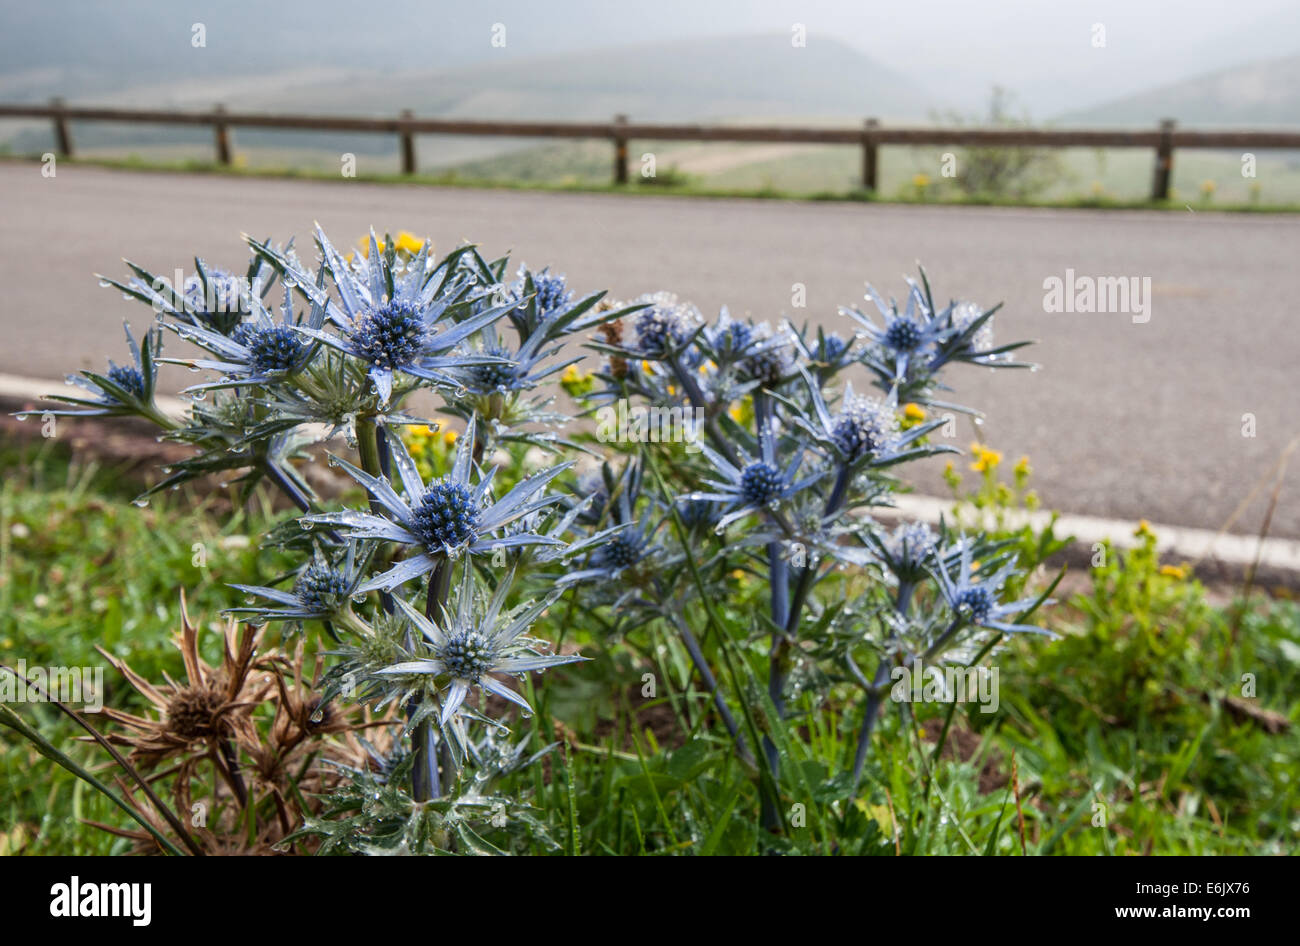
<point>441,520</point>
<point>970,339</point>
<point>907,551</point>
<point>322,586</point>
<point>322,590</point>
<point>752,484</point>
<point>389,335</point>
<point>469,642</point>
<point>770,358</point>
<point>213,291</point>
<point>211,298</point>
<point>696,513</point>
<point>864,431</point>
<point>974,598</point>
<point>760,483</point>
<point>121,390</point>
<point>128,378</point>
<point>622,550</point>
<point>905,336</point>
<point>393,319</point>
<point>663,327</point>
<point>446,515</point>
<point>497,369</point>
<point>628,542</point>
<point>550,289</point>
<point>832,347</point>
<point>258,351</point>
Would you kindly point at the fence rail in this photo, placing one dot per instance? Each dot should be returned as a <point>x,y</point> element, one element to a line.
<point>1163,139</point>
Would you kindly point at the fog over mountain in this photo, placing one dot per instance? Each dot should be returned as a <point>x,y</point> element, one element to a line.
<point>948,54</point>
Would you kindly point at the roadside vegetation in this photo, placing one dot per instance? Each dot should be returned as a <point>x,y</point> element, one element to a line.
<point>1133,719</point>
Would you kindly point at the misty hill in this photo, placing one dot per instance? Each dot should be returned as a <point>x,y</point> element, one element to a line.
<point>745,77</point>
<point>1262,93</point>
<point>723,77</point>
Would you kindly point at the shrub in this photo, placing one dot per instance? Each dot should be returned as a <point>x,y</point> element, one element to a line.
<point>724,503</point>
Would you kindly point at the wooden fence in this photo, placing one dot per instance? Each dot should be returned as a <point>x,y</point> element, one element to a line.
<point>1162,140</point>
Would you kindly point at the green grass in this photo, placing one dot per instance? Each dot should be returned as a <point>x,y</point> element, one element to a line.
<point>481,175</point>
<point>1126,712</point>
<point>81,565</point>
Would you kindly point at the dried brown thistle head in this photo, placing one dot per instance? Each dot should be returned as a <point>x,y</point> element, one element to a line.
<point>255,721</point>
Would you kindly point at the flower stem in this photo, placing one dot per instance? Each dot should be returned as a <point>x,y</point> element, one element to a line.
<point>902,604</point>
<point>711,683</point>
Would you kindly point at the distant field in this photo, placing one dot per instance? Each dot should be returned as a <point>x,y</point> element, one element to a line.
<point>1117,174</point>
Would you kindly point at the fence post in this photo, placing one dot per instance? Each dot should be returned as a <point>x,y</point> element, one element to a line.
<point>221,135</point>
<point>870,155</point>
<point>62,136</point>
<point>620,151</point>
<point>408,145</point>
<point>1164,160</point>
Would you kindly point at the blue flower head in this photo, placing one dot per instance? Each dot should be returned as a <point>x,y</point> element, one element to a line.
<point>323,588</point>
<point>974,598</point>
<point>628,540</point>
<point>394,319</point>
<point>863,431</point>
<point>751,484</point>
<point>257,351</point>
<point>443,519</point>
<point>121,390</point>
<point>663,327</point>
<point>905,338</point>
<point>550,290</point>
<point>461,648</point>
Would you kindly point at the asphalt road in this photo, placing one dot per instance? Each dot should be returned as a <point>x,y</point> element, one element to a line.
<point>1124,420</point>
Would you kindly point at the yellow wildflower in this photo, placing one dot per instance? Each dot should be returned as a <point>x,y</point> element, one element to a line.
<point>1173,571</point>
<point>408,243</point>
<point>985,458</point>
<point>914,412</point>
<point>921,181</point>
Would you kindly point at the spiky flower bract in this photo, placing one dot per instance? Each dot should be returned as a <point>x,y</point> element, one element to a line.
<point>394,320</point>
<point>463,646</point>
<point>444,519</point>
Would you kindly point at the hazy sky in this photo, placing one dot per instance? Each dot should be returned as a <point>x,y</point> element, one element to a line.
<point>1042,49</point>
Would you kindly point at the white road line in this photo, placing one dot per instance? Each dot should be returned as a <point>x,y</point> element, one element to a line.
<point>1192,545</point>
